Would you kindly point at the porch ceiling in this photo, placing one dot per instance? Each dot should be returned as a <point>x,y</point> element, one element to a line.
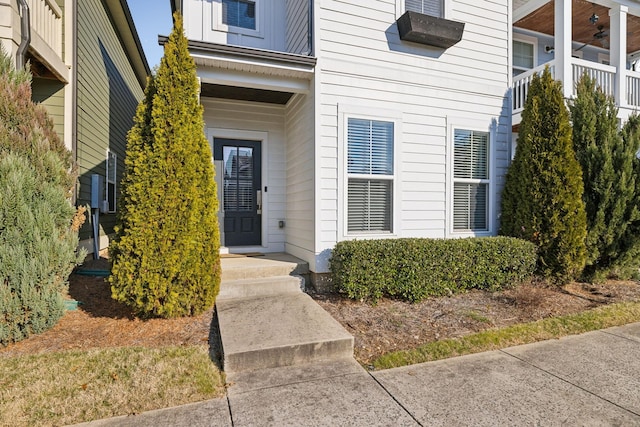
<point>245,94</point>
<point>542,21</point>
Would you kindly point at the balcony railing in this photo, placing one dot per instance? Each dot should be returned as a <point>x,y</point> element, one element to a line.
<point>633,88</point>
<point>604,76</point>
<point>46,21</point>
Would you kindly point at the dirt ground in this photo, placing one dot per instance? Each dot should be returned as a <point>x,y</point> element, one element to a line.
<point>393,325</point>
<point>101,322</point>
<point>390,325</point>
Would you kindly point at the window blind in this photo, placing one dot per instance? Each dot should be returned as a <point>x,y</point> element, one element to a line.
<point>370,175</point>
<point>428,7</point>
<point>471,180</point>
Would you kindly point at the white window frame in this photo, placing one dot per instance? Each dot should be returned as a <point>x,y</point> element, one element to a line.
<point>478,126</point>
<point>345,112</point>
<point>446,8</point>
<point>111,163</point>
<point>528,40</point>
<point>218,25</point>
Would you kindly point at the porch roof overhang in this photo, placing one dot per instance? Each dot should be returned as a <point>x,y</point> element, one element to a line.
<point>249,74</point>
<point>538,16</point>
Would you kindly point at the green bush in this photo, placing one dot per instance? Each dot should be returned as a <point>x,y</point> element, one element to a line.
<point>165,255</point>
<point>38,230</point>
<point>414,269</point>
<point>542,196</point>
<point>607,159</point>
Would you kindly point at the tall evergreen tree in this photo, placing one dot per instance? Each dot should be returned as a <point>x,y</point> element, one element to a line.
<point>607,162</point>
<point>542,197</point>
<point>165,257</point>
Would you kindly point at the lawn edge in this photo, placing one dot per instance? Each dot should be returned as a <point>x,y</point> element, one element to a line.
<point>612,315</point>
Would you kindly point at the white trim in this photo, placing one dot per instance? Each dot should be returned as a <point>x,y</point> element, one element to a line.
<point>446,9</point>
<point>368,113</point>
<point>528,40</point>
<point>454,123</point>
<point>218,25</point>
<point>249,135</point>
<point>114,182</point>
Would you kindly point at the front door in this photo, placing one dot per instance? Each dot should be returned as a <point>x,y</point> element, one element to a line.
<point>241,195</point>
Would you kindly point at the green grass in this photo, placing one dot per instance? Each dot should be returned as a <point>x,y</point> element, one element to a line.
<point>493,339</point>
<point>75,386</point>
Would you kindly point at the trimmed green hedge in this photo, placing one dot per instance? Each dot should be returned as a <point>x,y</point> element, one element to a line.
<point>414,269</point>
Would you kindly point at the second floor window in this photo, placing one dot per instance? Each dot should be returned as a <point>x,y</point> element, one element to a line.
<point>523,56</point>
<point>239,13</point>
<point>427,7</point>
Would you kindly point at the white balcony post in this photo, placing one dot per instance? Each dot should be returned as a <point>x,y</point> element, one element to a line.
<point>618,51</point>
<point>562,45</point>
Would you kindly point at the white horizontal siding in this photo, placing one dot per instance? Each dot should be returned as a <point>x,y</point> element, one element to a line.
<point>300,226</point>
<point>268,118</point>
<point>362,62</point>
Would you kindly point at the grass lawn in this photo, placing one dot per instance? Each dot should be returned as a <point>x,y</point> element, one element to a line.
<point>74,386</point>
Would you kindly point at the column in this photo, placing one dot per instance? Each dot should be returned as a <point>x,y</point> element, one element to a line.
<point>618,51</point>
<point>562,45</point>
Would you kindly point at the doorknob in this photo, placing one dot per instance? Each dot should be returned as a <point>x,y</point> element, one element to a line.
<point>259,201</point>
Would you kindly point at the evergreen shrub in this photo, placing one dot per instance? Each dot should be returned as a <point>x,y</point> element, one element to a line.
<point>542,197</point>
<point>414,269</point>
<point>165,255</point>
<point>610,184</point>
<point>38,225</point>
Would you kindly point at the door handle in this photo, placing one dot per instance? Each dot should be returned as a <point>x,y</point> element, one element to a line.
<point>259,201</point>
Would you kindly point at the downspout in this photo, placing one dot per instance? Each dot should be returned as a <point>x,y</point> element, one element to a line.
<point>310,31</point>
<point>25,35</point>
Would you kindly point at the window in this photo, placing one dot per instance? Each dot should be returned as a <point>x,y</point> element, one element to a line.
<point>523,56</point>
<point>470,180</point>
<point>239,13</point>
<point>369,176</point>
<point>427,7</point>
<point>112,159</point>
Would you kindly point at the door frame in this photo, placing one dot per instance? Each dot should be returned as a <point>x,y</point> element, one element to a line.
<point>263,139</point>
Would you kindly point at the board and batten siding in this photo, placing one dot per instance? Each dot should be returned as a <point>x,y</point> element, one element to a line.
<point>362,63</point>
<point>108,93</point>
<point>201,19</point>
<point>230,119</point>
<point>298,26</point>
<point>299,125</point>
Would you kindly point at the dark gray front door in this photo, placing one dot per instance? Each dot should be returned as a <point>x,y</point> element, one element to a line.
<point>242,198</point>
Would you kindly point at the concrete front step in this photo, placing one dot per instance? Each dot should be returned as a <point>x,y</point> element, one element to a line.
<point>281,330</point>
<point>235,267</point>
<point>265,286</point>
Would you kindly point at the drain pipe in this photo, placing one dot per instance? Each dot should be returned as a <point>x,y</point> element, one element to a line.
<point>25,37</point>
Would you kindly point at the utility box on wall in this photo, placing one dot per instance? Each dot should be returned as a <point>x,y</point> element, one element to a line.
<point>97,193</point>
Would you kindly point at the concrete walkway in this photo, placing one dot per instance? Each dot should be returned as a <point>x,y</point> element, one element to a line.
<point>588,380</point>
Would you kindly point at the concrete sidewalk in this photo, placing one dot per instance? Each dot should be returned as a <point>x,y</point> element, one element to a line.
<point>590,379</point>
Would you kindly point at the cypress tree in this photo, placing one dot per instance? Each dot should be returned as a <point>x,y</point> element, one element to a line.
<point>38,224</point>
<point>607,162</point>
<point>165,257</point>
<point>542,197</point>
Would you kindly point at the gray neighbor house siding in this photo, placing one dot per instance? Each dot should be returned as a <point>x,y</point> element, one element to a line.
<point>108,92</point>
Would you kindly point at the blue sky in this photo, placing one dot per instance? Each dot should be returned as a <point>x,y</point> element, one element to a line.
<point>151,17</point>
